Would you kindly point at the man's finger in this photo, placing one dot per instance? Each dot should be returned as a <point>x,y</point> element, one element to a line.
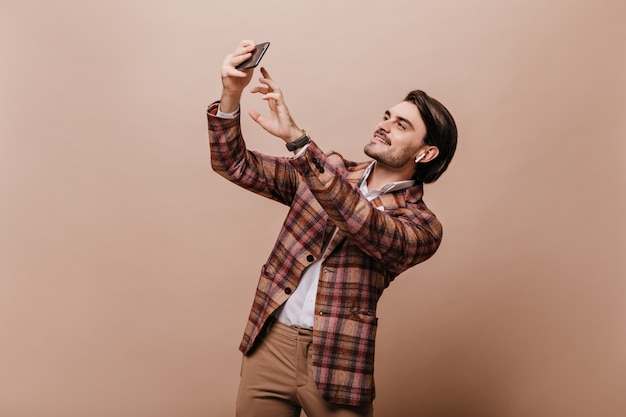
<point>241,58</point>
<point>260,89</point>
<point>246,43</point>
<point>271,96</point>
<point>256,116</point>
<point>270,83</point>
<point>265,73</point>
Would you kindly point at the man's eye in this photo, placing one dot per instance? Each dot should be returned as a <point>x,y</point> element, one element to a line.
<point>402,126</point>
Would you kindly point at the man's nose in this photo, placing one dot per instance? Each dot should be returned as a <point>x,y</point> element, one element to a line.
<point>384,125</point>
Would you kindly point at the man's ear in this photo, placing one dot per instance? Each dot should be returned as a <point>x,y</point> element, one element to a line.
<point>429,153</point>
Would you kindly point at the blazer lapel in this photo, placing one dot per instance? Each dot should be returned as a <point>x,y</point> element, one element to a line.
<point>354,177</point>
<point>384,202</point>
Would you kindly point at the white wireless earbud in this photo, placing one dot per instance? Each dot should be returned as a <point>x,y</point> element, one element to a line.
<point>419,158</point>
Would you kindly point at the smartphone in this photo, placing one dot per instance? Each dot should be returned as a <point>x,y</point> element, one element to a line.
<point>257,54</point>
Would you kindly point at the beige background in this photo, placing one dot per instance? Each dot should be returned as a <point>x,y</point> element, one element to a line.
<point>127,267</point>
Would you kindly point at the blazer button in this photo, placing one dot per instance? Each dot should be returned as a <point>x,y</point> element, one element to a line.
<point>310,258</point>
<point>287,290</point>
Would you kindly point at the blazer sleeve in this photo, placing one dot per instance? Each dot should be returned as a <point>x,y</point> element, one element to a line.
<point>271,177</point>
<point>399,240</point>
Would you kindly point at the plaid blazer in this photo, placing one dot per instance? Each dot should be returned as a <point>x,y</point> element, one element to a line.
<point>375,242</point>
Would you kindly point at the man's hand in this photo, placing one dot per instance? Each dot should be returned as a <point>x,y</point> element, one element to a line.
<point>279,122</point>
<point>233,80</point>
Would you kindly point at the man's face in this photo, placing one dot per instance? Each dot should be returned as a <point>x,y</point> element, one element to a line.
<point>398,137</point>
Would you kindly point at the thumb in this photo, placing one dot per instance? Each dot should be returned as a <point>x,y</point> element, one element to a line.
<point>256,116</point>
<point>260,120</point>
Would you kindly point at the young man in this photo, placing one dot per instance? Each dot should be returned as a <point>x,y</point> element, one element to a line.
<point>351,229</point>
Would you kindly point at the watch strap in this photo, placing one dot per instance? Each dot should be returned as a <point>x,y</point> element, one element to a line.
<point>298,143</point>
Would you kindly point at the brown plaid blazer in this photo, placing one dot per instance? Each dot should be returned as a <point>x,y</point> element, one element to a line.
<point>372,246</point>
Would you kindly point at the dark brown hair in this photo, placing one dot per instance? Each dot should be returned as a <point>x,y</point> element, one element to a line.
<point>440,132</point>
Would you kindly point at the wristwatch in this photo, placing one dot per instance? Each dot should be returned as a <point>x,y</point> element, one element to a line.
<point>298,143</point>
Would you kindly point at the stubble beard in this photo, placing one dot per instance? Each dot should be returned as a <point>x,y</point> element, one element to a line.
<point>388,157</point>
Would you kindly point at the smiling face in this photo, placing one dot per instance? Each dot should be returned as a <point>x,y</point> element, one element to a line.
<point>398,138</point>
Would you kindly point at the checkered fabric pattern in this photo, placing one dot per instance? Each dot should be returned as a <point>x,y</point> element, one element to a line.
<point>372,246</point>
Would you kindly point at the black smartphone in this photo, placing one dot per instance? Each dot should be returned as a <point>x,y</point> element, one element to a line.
<point>257,54</point>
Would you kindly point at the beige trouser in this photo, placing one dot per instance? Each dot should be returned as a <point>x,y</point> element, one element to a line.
<point>277,379</point>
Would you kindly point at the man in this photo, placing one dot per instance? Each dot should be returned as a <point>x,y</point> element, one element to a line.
<point>351,229</point>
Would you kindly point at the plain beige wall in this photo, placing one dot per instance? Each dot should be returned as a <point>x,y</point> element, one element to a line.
<point>127,267</point>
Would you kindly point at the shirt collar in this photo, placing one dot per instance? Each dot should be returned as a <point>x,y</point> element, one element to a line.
<point>387,188</point>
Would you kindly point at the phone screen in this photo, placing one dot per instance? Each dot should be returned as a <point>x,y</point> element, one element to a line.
<point>257,54</point>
